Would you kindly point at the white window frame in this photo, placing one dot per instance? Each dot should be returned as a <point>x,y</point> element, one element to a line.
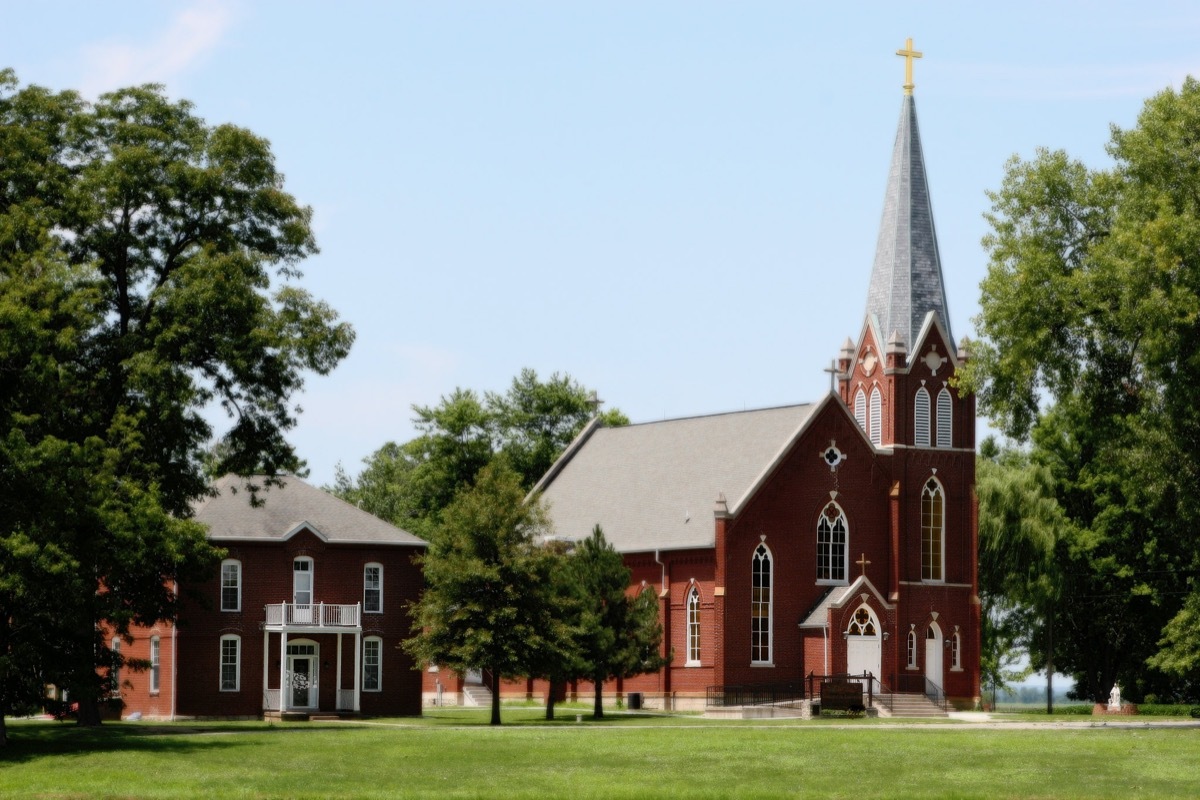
<point>928,572</point>
<point>231,566</point>
<point>762,642</point>
<point>377,589</point>
<point>945,419</point>
<point>832,579</point>
<point>912,649</point>
<point>956,652</point>
<point>876,417</point>
<point>155,664</point>
<point>312,579</point>
<point>860,408</point>
<point>921,418</point>
<point>115,646</point>
<point>693,628</point>
<point>372,643</point>
<point>235,662</point>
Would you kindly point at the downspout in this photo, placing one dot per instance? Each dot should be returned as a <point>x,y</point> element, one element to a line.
<point>825,636</point>
<point>174,653</point>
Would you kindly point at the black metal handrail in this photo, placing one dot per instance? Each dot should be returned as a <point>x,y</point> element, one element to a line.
<point>872,686</point>
<point>916,683</point>
<point>752,694</point>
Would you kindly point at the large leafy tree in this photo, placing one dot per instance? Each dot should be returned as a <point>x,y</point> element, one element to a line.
<point>489,599</point>
<point>619,633</point>
<point>531,424</point>
<point>1090,351</point>
<point>146,268</point>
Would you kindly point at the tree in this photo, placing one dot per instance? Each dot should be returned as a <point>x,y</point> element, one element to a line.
<point>1020,524</point>
<point>619,635</point>
<point>409,484</point>
<point>488,602</point>
<point>166,249</point>
<point>1090,351</point>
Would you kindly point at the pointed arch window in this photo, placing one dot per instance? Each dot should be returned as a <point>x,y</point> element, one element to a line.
<point>921,418</point>
<point>860,408</point>
<point>945,424</point>
<point>876,417</point>
<point>933,544</point>
<point>912,649</point>
<point>760,606</point>
<point>832,545</point>
<point>693,628</point>
<point>863,623</point>
<point>956,651</point>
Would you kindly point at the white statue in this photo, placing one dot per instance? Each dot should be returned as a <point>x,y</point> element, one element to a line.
<point>1114,698</point>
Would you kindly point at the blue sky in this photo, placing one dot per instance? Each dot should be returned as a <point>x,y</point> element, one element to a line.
<point>674,202</point>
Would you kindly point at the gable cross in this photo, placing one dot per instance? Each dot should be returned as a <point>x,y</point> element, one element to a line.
<point>863,562</point>
<point>832,369</point>
<point>909,54</point>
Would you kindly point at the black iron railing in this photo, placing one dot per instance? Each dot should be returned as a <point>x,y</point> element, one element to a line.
<point>919,684</point>
<point>753,695</point>
<point>873,689</point>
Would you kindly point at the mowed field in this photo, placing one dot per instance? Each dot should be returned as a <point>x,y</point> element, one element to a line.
<point>454,754</point>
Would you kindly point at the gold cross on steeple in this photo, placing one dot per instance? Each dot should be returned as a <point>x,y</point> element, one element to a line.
<point>863,562</point>
<point>909,54</point>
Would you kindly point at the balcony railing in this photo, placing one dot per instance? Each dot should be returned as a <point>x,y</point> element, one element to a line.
<point>314,615</point>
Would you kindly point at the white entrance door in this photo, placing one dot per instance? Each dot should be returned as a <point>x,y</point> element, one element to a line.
<point>474,676</point>
<point>933,658</point>
<point>862,643</point>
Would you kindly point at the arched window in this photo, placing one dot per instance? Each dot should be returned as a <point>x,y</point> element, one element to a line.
<point>912,649</point>
<point>863,623</point>
<point>876,431</point>
<point>693,628</point>
<point>231,585</point>
<point>760,606</point>
<point>373,588</point>
<point>831,545</point>
<point>231,663</point>
<point>860,408</point>
<point>372,664</point>
<point>945,425</point>
<point>155,664</point>
<point>921,418</point>
<point>956,651</point>
<point>933,550</point>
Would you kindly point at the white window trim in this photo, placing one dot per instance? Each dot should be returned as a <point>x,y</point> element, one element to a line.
<point>237,663</point>
<point>945,419</point>
<point>845,579</point>
<point>693,626</point>
<point>911,653</point>
<point>155,664</point>
<point>366,567</point>
<point>770,660</point>
<point>942,534</point>
<point>860,408</point>
<point>921,419</point>
<point>378,642</point>
<point>312,579</point>
<point>231,562</point>
<point>956,652</point>
<point>876,417</point>
<point>115,646</point>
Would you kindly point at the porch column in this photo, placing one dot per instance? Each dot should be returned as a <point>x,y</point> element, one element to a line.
<point>266,657</point>
<point>337,704</point>
<point>357,669</point>
<point>282,669</point>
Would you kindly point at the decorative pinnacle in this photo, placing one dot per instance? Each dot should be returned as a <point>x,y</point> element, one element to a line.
<point>909,54</point>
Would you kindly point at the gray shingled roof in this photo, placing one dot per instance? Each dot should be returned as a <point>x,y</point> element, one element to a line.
<point>653,486</point>
<point>906,281</point>
<point>286,509</point>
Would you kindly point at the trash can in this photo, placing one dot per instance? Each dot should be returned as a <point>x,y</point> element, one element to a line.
<point>635,701</point>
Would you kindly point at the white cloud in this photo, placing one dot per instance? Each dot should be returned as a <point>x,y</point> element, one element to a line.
<point>193,33</point>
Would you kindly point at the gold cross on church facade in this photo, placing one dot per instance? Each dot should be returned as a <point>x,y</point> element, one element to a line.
<point>863,562</point>
<point>909,54</point>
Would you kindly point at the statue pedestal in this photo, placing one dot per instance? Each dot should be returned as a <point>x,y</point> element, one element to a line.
<point>1105,710</point>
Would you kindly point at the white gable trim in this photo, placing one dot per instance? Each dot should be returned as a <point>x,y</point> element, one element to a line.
<point>306,526</point>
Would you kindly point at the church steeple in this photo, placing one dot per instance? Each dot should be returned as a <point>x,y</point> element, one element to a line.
<point>906,281</point>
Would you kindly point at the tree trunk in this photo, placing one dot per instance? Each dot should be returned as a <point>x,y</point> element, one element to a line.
<point>551,693</point>
<point>89,712</point>
<point>495,698</point>
<point>598,711</point>
<point>1050,662</point>
<point>3,732</point>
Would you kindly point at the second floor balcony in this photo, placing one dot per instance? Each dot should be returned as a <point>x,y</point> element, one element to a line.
<point>331,617</point>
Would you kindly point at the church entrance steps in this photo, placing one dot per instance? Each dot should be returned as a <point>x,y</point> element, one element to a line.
<point>908,705</point>
<point>476,694</point>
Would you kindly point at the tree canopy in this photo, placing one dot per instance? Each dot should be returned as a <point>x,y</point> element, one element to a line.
<point>531,424</point>
<point>147,266</point>
<point>1090,352</point>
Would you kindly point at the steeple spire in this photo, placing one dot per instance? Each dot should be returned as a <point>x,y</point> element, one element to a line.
<point>906,281</point>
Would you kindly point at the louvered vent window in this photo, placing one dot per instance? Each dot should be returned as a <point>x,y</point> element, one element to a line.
<point>921,418</point>
<point>945,427</point>
<point>876,429</point>
<point>860,409</point>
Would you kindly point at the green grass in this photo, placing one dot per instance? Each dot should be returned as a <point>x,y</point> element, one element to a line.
<point>455,754</point>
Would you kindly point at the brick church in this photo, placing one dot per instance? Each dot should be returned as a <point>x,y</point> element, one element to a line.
<point>838,536</point>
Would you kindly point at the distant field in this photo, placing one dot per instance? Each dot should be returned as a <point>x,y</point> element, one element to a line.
<point>454,754</point>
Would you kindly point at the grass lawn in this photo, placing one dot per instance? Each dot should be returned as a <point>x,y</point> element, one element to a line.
<point>453,754</point>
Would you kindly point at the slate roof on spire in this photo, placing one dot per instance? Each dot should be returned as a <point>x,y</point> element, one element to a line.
<point>906,281</point>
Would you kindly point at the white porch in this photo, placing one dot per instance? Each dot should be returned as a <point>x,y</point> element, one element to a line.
<point>299,659</point>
